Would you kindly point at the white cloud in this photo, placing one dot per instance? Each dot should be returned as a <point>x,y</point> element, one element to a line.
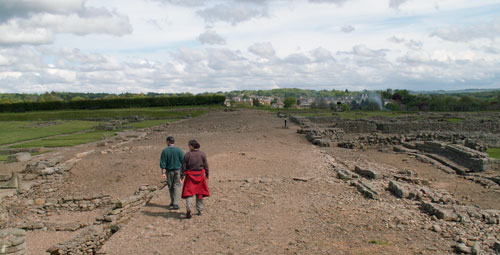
<point>233,13</point>
<point>397,40</point>
<point>396,3</point>
<point>13,33</point>
<point>211,37</point>
<point>413,44</point>
<point>362,50</point>
<point>23,8</point>
<point>188,3</point>
<point>33,22</point>
<point>469,33</point>
<point>322,55</point>
<point>347,29</point>
<point>297,59</point>
<point>337,2</point>
<point>265,44</point>
<point>264,50</point>
<point>4,60</point>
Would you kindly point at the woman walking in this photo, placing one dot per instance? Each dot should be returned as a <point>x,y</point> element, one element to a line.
<point>195,171</point>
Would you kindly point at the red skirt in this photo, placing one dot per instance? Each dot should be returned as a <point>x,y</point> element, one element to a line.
<point>195,183</point>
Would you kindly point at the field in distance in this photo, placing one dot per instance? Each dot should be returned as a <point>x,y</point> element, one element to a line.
<point>72,127</point>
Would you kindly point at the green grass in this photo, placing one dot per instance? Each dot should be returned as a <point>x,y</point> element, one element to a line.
<point>17,131</point>
<point>156,112</point>
<point>3,157</point>
<point>19,127</point>
<point>494,153</point>
<point>66,140</point>
<point>377,242</point>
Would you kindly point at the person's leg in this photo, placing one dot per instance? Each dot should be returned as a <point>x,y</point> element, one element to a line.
<point>170,184</point>
<point>199,205</point>
<point>176,191</point>
<point>189,201</point>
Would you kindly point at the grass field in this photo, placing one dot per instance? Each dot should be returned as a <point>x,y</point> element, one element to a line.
<point>156,112</point>
<point>494,152</point>
<point>66,140</point>
<point>16,131</point>
<point>73,127</point>
<point>3,157</point>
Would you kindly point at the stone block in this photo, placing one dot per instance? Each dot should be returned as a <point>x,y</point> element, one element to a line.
<point>462,248</point>
<point>399,190</point>
<point>366,190</point>
<point>19,157</point>
<point>367,173</point>
<point>496,246</point>
<point>39,201</point>
<point>345,174</point>
<point>439,211</point>
<point>48,171</point>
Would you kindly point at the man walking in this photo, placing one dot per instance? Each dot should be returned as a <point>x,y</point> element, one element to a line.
<point>170,164</point>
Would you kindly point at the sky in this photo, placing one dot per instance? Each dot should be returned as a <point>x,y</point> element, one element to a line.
<point>196,46</point>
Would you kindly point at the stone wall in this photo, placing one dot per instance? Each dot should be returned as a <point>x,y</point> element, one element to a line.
<point>122,210</point>
<point>70,203</point>
<point>473,160</point>
<point>12,241</point>
<point>91,238</point>
<point>88,241</point>
<point>419,126</point>
<point>356,126</point>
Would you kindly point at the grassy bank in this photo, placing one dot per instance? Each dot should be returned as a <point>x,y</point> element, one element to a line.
<point>494,152</point>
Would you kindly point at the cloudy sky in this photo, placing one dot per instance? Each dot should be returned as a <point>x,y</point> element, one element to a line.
<point>199,46</point>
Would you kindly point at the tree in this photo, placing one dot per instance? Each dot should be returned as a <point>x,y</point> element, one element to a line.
<point>289,102</point>
<point>355,105</point>
<point>256,102</point>
<point>392,107</point>
<point>333,106</point>
<point>369,105</point>
<point>343,107</point>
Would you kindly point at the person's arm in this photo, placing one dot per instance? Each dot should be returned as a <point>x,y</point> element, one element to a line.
<point>163,165</point>
<point>205,164</point>
<point>184,164</point>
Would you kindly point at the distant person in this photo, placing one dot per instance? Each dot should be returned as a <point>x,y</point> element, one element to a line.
<point>171,164</point>
<point>195,171</point>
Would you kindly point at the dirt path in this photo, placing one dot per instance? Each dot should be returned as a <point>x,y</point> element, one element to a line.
<point>272,192</point>
<point>257,207</point>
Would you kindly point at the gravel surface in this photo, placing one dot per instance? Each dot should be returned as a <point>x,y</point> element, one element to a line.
<point>272,192</point>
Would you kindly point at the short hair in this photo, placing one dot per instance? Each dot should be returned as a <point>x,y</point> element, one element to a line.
<point>170,139</point>
<point>194,143</point>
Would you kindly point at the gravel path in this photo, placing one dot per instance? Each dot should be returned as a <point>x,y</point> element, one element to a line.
<point>272,192</point>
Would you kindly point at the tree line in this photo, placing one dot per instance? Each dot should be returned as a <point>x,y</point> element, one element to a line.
<point>93,104</point>
<point>477,101</point>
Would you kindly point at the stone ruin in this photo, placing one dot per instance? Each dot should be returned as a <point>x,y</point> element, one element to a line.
<point>475,230</point>
<point>455,148</point>
<point>35,193</point>
<point>459,146</point>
